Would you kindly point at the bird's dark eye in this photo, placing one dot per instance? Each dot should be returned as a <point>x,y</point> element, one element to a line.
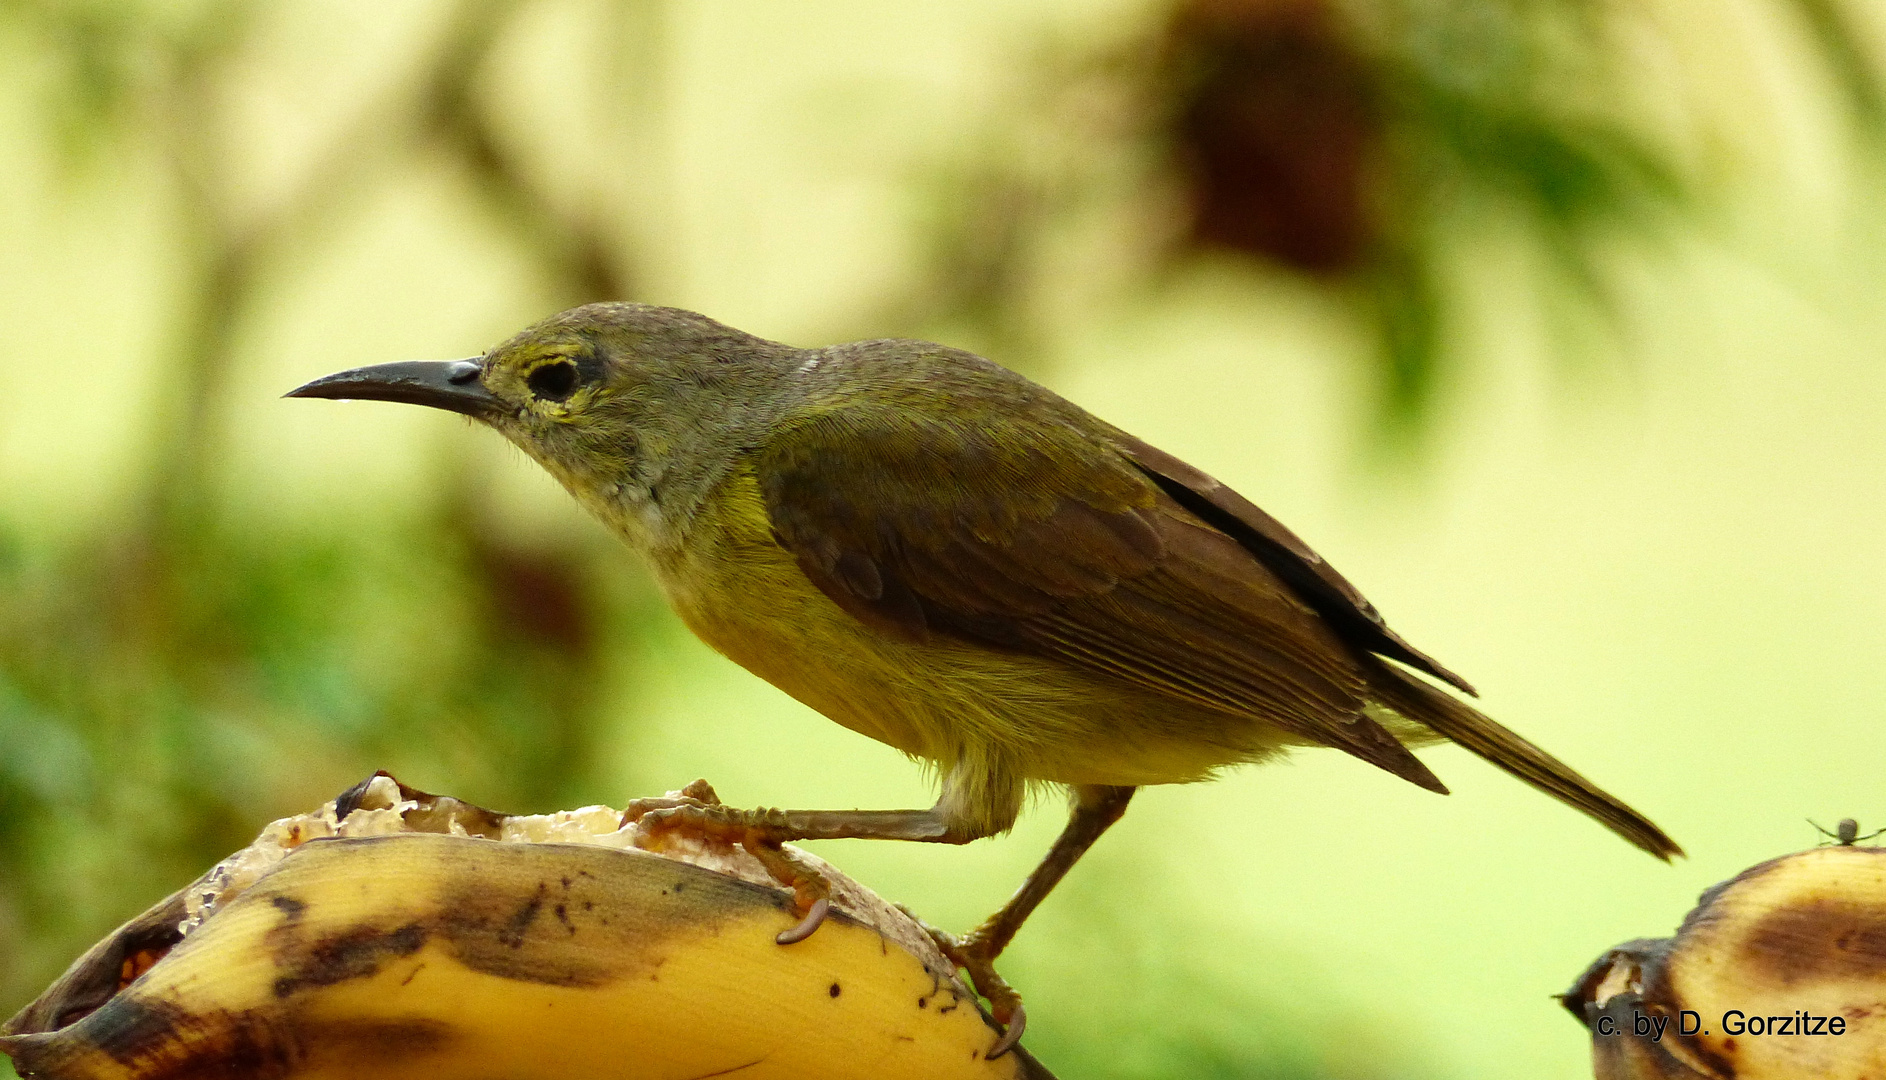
<point>553,381</point>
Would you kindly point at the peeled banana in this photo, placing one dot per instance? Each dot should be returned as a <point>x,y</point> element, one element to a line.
<point>1778,973</point>
<point>394,935</point>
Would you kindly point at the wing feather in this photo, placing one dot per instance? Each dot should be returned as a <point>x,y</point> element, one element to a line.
<point>1040,539</point>
<point>1288,556</point>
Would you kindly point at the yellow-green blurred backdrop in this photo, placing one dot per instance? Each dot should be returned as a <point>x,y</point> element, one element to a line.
<point>1655,540</point>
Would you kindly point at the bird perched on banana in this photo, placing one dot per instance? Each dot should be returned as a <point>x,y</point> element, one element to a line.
<point>944,556</point>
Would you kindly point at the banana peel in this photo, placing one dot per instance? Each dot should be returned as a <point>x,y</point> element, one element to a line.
<point>395,935</point>
<point>1778,973</point>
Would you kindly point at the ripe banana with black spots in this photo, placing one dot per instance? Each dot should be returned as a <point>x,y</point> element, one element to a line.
<point>394,935</point>
<point>1779,973</point>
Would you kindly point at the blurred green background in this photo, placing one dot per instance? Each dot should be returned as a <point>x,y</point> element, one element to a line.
<point>1555,324</point>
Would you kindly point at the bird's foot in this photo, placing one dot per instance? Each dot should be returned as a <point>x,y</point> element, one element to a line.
<point>698,811</point>
<point>975,953</point>
<point>698,793</point>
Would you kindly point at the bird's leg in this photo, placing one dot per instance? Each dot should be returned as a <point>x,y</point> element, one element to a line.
<point>763,832</point>
<point>1095,809</point>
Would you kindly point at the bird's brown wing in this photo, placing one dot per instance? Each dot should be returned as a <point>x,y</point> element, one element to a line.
<point>1317,582</point>
<point>1034,537</point>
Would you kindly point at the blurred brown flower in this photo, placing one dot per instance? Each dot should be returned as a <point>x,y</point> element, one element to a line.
<point>1273,120</point>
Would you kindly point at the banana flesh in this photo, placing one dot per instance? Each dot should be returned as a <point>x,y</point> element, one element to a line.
<point>398,935</point>
<point>1777,973</point>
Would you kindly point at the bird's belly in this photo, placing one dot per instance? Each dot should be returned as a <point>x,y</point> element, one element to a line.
<point>948,701</point>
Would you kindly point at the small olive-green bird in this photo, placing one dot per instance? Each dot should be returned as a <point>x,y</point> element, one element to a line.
<point>940,554</point>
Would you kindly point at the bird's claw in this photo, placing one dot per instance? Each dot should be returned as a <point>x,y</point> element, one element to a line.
<point>1011,1034</point>
<point>700,793</point>
<point>696,809</point>
<point>814,918</point>
<point>974,954</point>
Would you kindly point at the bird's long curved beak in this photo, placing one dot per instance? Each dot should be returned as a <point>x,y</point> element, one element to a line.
<point>442,384</point>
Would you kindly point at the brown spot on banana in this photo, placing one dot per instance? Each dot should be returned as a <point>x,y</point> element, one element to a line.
<point>1819,937</point>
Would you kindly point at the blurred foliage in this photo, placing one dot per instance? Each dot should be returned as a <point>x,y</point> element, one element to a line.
<point>1343,142</point>
<point>1226,1032</point>
<point>1854,72</point>
<point>1210,1002</point>
<point>185,670</point>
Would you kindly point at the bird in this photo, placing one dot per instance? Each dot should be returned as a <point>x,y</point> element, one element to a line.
<point>945,556</point>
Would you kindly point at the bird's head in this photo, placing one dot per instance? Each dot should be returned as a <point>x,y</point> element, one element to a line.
<point>636,409</point>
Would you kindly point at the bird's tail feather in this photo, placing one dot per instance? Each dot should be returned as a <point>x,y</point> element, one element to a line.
<point>1456,720</point>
